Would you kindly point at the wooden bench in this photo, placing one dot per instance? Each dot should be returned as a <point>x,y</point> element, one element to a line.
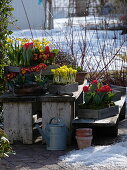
<point>18,112</point>
<point>107,126</point>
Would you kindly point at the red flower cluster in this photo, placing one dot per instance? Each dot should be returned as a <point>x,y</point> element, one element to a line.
<point>38,67</point>
<point>97,94</point>
<point>94,82</point>
<point>10,76</point>
<point>27,45</point>
<point>85,88</point>
<point>24,70</point>
<point>105,88</point>
<point>33,69</point>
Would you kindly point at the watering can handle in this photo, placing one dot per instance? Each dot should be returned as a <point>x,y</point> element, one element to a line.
<point>55,118</point>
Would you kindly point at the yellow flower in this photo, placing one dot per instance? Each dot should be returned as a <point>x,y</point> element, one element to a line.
<point>9,40</point>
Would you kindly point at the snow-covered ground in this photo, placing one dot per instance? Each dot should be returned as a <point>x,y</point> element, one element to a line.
<point>70,35</point>
<point>111,157</point>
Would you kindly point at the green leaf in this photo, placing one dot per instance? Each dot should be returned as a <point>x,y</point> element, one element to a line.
<point>97,99</point>
<point>55,51</point>
<point>87,98</point>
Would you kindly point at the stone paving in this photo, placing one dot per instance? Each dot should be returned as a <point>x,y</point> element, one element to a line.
<point>36,157</point>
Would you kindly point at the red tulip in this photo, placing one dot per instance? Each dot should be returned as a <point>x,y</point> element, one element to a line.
<point>27,45</point>
<point>47,49</point>
<point>85,88</point>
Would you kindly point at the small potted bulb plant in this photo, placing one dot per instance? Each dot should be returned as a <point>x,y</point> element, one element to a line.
<point>98,102</point>
<point>80,75</point>
<point>63,80</point>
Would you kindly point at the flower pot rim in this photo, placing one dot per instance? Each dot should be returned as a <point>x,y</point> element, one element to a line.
<point>89,129</point>
<point>99,109</point>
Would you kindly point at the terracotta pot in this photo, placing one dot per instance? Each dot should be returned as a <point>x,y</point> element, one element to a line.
<point>84,142</point>
<point>80,76</point>
<point>82,132</point>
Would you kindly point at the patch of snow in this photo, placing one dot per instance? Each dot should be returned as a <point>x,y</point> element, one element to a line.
<point>99,45</point>
<point>98,157</point>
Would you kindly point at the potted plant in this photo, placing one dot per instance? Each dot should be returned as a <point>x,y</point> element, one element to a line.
<point>26,53</point>
<point>29,81</point>
<point>28,64</point>
<point>98,102</point>
<point>80,75</point>
<point>63,80</point>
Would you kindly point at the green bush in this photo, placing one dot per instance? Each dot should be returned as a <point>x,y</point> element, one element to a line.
<point>5,13</point>
<point>5,148</point>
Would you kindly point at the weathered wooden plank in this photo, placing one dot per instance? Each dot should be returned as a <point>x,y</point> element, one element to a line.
<point>11,128</point>
<point>62,110</point>
<point>55,109</point>
<point>120,103</point>
<point>18,121</point>
<point>25,122</point>
<point>98,123</point>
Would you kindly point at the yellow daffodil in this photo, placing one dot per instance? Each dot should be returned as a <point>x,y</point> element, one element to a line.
<point>64,75</point>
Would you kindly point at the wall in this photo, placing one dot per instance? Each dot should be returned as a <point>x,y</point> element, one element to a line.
<point>35,14</point>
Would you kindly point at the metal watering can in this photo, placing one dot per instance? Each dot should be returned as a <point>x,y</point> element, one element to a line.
<point>55,134</point>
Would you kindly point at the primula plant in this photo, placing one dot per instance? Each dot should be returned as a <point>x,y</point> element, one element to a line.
<point>64,75</point>
<point>26,76</point>
<point>97,95</point>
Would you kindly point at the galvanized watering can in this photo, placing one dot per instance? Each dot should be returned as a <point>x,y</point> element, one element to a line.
<point>55,134</point>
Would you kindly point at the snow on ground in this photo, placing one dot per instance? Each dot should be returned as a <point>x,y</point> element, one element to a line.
<point>86,21</point>
<point>106,157</point>
<point>97,46</point>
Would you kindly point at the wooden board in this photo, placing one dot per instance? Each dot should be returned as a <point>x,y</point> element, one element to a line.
<point>18,122</point>
<point>62,110</point>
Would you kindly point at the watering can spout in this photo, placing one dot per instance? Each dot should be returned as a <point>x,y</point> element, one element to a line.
<point>43,134</point>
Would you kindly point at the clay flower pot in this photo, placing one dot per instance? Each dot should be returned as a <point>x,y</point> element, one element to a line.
<point>84,142</point>
<point>84,137</point>
<point>82,132</point>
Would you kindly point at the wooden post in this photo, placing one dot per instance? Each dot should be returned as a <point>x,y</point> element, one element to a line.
<point>48,14</point>
<point>18,121</point>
